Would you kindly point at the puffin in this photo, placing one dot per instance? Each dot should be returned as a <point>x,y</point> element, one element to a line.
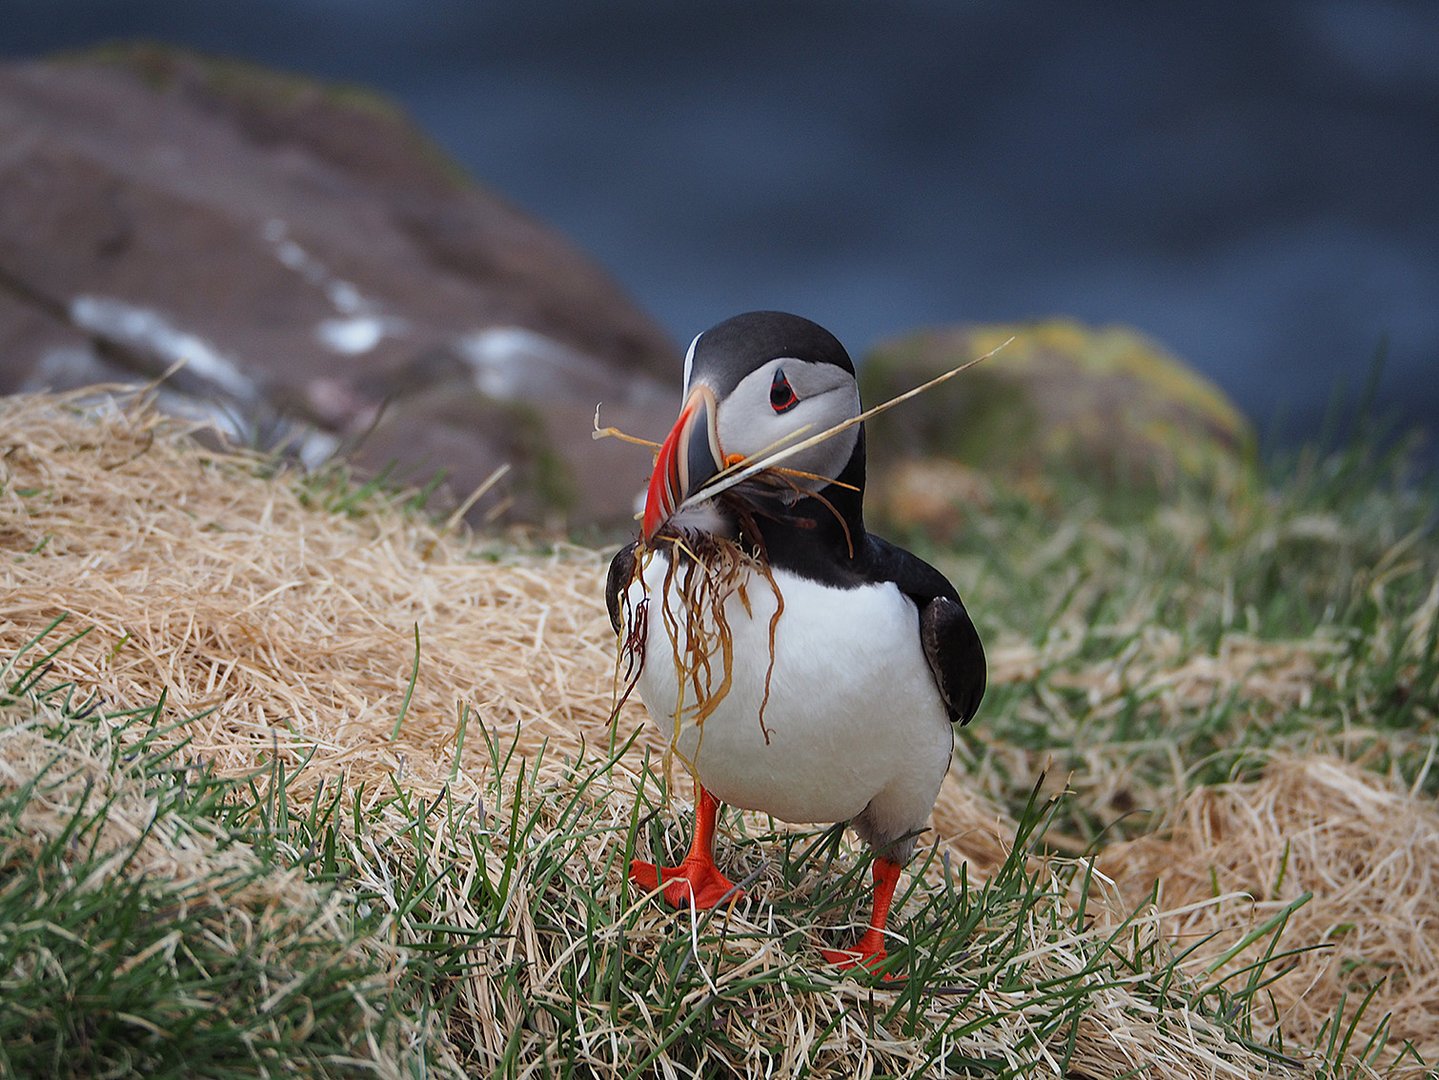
<point>845,661</point>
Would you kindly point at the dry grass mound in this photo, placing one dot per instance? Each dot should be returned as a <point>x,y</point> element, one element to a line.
<point>290,625</point>
<point>1364,851</point>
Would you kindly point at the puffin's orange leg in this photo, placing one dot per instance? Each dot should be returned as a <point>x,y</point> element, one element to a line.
<point>869,951</point>
<point>696,880</point>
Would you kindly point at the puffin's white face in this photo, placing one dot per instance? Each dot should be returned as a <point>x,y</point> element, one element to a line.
<point>785,401</point>
<point>781,402</point>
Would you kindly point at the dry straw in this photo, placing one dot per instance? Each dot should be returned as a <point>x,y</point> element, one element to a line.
<point>287,628</point>
<point>1367,852</point>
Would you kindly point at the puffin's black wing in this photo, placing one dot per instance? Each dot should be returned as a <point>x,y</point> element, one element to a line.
<point>622,571</point>
<point>955,655</point>
<point>951,643</point>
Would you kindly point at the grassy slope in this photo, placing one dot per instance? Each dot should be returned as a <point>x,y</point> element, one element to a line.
<point>1324,580</point>
<point>162,918</point>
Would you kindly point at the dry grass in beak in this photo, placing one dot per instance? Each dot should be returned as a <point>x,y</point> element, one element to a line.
<point>784,449</point>
<point>739,470</point>
<point>616,433</point>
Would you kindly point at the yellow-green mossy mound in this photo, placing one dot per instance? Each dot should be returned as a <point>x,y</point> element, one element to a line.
<point>1106,406</point>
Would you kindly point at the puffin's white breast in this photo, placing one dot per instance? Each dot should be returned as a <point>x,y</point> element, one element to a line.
<point>853,714</point>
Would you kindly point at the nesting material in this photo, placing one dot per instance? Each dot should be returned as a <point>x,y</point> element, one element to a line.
<point>705,576</point>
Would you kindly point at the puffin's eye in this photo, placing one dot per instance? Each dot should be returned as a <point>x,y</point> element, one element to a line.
<point>781,395</point>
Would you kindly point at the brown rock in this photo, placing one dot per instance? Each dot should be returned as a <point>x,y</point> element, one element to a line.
<point>317,264</point>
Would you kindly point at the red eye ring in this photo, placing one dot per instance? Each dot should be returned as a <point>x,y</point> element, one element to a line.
<point>782,397</point>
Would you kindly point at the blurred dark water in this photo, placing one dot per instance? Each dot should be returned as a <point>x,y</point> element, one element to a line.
<point>1256,184</point>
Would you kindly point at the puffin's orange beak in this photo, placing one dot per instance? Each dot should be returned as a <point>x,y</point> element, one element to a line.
<point>689,456</point>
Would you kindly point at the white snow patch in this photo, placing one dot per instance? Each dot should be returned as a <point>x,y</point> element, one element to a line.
<point>361,325</point>
<point>148,331</point>
<point>356,335</point>
<point>510,362</point>
<point>315,447</point>
<point>292,255</point>
<point>311,446</point>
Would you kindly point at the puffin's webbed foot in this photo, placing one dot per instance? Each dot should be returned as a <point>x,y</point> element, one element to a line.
<point>869,951</point>
<point>695,880</point>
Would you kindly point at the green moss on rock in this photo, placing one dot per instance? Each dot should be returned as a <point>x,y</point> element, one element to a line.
<point>1107,406</point>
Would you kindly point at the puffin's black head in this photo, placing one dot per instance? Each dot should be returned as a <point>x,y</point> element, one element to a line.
<point>751,383</point>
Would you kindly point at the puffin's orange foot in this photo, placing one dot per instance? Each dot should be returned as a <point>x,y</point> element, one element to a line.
<point>697,880</point>
<point>868,953</point>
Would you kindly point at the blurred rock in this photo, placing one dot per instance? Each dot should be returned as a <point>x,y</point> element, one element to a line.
<point>325,274</point>
<point>1105,406</point>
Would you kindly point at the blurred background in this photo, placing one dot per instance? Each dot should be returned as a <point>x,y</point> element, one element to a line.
<point>1253,185</point>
